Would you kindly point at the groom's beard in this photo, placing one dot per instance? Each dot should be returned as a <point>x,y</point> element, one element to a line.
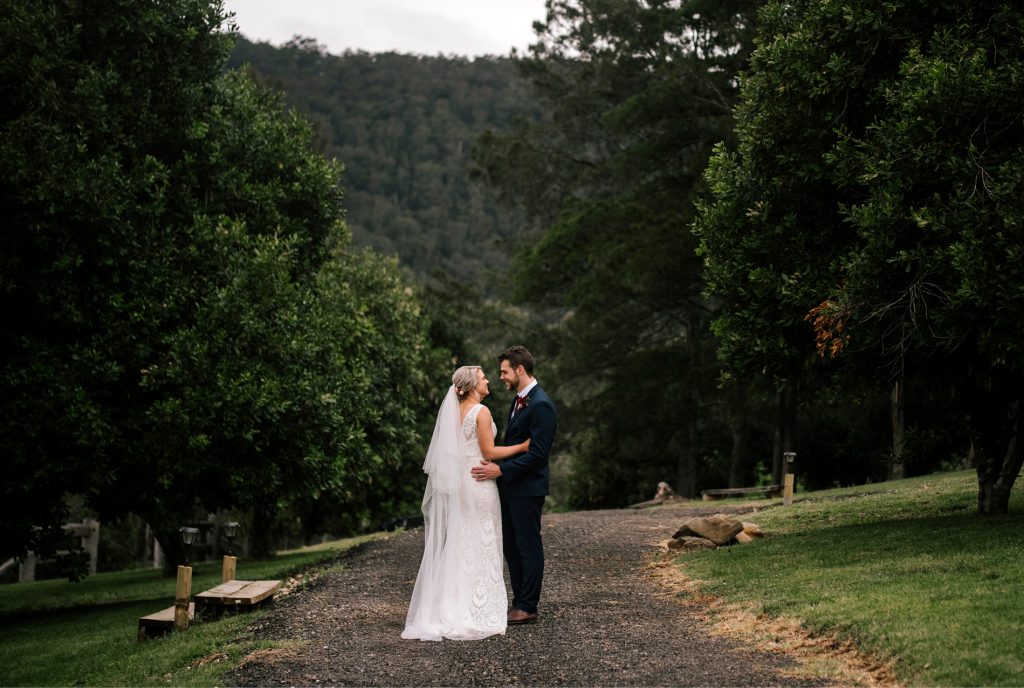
<point>513,384</point>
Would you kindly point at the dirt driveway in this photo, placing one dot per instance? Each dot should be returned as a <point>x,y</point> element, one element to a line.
<point>605,621</point>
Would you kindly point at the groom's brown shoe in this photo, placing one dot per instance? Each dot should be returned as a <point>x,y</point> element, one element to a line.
<point>518,616</point>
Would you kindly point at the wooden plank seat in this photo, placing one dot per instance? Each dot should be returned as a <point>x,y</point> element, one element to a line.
<point>238,595</point>
<point>722,493</point>
<point>161,622</point>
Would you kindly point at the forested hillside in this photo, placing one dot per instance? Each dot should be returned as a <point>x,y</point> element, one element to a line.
<point>403,127</point>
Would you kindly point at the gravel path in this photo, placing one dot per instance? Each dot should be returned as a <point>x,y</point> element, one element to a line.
<point>604,622</point>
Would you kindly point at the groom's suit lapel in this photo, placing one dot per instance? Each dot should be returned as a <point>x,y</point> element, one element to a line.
<point>512,420</point>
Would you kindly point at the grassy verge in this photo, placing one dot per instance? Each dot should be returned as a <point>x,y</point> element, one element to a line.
<point>905,569</point>
<point>55,633</point>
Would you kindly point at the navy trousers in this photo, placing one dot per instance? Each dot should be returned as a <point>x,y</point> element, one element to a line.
<point>524,552</point>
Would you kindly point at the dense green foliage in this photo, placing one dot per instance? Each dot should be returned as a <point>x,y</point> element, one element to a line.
<point>403,126</point>
<point>637,93</point>
<point>188,325</point>
<point>875,192</point>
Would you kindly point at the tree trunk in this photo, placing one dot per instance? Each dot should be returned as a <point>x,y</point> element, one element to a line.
<point>739,465</point>
<point>897,469</point>
<point>174,551</point>
<point>789,424</point>
<point>687,466</point>
<point>687,469</point>
<point>996,476</point>
<point>785,431</point>
<point>261,539</point>
<point>777,438</point>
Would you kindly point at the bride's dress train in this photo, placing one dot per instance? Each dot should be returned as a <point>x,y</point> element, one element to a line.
<point>460,589</point>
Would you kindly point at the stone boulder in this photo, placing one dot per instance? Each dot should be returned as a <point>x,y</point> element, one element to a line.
<point>753,530</point>
<point>689,544</point>
<point>750,532</point>
<point>719,529</point>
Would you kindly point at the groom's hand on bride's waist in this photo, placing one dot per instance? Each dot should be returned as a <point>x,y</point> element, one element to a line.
<point>485,471</point>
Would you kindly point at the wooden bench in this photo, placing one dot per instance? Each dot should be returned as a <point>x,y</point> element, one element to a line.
<point>767,491</point>
<point>237,595</point>
<point>162,622</point>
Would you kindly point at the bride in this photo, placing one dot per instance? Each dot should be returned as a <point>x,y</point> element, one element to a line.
<point>460,589</point>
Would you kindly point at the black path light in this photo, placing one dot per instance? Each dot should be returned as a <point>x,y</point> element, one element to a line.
<point>183,589</point>
<point>188,538</point>
<point>228,567</point>
<point>230,530</point>
<point>790,483</point>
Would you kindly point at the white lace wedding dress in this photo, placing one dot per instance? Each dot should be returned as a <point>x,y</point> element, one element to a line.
<point>460,589</point>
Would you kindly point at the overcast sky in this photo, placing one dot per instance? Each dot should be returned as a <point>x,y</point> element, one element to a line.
<point>426,27</point>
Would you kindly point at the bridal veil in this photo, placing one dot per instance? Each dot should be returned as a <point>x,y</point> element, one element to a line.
<point>447,520</point>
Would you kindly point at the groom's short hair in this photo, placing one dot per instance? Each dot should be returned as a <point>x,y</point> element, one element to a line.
<point>518,356</point>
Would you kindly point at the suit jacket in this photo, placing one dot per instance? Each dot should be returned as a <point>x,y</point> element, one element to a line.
<point>526,475</point>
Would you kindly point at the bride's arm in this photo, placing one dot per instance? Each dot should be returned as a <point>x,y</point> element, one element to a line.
<point>485,437</point>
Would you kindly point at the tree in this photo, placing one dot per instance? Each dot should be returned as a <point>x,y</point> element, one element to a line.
<point>938,176</point>
<point>768,230</point>
<point>636,93</point>
<point>853,200</point>
<point>85,129</point>
<point>189,325</point>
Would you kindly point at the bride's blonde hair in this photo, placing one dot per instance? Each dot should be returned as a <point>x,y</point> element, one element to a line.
<point>464,380</point>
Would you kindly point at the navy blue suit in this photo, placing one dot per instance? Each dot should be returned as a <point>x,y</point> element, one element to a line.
<point>522,487</point>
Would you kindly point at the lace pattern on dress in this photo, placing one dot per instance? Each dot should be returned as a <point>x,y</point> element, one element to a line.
<point>466,599</point>
<point>469,432</point>
<point>486,603</point>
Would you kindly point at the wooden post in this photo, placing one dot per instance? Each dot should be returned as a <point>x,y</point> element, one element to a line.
<point>228,570</point>
<point>181,597</point>
<point>787,493</point>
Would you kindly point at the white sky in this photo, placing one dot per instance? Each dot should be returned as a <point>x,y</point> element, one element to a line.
<point>425,27</point>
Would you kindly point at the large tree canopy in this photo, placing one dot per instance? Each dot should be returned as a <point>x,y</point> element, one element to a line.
<point>187,323</point>
<point>874,193</point>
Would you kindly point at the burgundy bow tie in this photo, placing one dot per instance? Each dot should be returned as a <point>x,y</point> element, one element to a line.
<point>520,403</point>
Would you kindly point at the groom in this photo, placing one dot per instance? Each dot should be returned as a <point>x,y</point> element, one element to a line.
<point>523,481</point>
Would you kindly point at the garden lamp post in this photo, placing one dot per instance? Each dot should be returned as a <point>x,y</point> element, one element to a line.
<point>188,538</point>
<point>183,590</point>
<point>228,569</point>
<point>230,531</point>
<point>787,494</point>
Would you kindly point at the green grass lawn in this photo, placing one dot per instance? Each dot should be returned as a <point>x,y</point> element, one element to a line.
<point>55,633</point>
<point>906,569</point>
